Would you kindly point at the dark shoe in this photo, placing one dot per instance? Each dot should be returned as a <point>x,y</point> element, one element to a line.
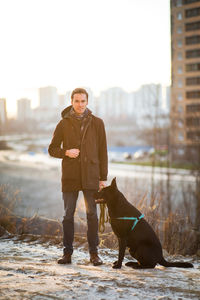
<point>95,260</point>
<point>66,259</point>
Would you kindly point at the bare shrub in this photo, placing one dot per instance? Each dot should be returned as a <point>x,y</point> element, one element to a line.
<point>9,197</point>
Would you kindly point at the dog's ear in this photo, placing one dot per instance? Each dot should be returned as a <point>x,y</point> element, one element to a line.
<point>113,183</point>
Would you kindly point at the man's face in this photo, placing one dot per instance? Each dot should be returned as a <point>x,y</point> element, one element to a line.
<point>79,103</point>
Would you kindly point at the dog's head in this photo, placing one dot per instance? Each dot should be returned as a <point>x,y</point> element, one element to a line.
<point>105,195</point>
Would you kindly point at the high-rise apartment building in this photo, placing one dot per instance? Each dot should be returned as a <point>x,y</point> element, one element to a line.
<point>23,109</point>
<point>3,112</point>
<point>112,103</point>
<point>140,105</point>
<point>48,97</point>
<point>185,90</point>
<point>62,100</point>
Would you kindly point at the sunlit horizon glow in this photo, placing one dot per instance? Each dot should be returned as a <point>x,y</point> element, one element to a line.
<point>93,43</point>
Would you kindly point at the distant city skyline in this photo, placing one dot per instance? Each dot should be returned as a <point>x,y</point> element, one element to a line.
<point>91,43</point>
<point>66,100</point>
<point>112,104</point>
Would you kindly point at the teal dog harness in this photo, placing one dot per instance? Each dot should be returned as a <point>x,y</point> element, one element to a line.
<point>136,220</point>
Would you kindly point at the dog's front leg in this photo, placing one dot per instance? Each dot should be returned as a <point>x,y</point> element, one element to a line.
<point>122,247</point>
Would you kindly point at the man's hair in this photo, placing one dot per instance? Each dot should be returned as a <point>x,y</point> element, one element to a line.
<point>79,91</point>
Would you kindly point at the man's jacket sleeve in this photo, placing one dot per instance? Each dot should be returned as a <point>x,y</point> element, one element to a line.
<point>103,155</point>
<point>55,148</point>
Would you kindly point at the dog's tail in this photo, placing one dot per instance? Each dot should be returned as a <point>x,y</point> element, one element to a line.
<point>177,264</point>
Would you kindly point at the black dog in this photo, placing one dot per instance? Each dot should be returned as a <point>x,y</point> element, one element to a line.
<point>133,232</point>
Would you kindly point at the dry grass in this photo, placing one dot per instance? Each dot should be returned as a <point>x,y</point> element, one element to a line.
<point>18,225</point>
<point>9,197</point>
<point>175,230</point>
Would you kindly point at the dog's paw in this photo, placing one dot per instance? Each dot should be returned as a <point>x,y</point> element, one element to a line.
<point>117,265</point>
<point>132,264</point>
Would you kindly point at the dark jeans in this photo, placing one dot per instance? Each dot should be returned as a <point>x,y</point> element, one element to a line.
<point>70,199</point>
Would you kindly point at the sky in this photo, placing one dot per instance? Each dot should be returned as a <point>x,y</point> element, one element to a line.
<point>90,43</point>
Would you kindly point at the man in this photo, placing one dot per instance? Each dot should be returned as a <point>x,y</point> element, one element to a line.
<point>80,140</point>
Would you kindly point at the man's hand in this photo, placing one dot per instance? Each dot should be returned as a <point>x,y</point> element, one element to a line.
<point>102,184</point>
<point>72,153</point>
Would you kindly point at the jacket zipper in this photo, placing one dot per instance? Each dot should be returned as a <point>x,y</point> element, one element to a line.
<point>84,133</point>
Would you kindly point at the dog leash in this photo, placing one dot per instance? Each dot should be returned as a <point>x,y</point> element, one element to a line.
<point>136,220</point>
<point>103,218</point>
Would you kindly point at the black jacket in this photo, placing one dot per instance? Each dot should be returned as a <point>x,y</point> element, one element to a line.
<point>91,166</point>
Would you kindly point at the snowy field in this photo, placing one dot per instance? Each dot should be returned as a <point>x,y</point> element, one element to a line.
<point>29,270</point>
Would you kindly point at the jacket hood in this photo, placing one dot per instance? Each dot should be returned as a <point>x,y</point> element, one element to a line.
<point>66,112</point>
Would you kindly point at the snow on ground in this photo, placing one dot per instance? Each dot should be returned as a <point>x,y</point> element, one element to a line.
<point>29,270</point>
